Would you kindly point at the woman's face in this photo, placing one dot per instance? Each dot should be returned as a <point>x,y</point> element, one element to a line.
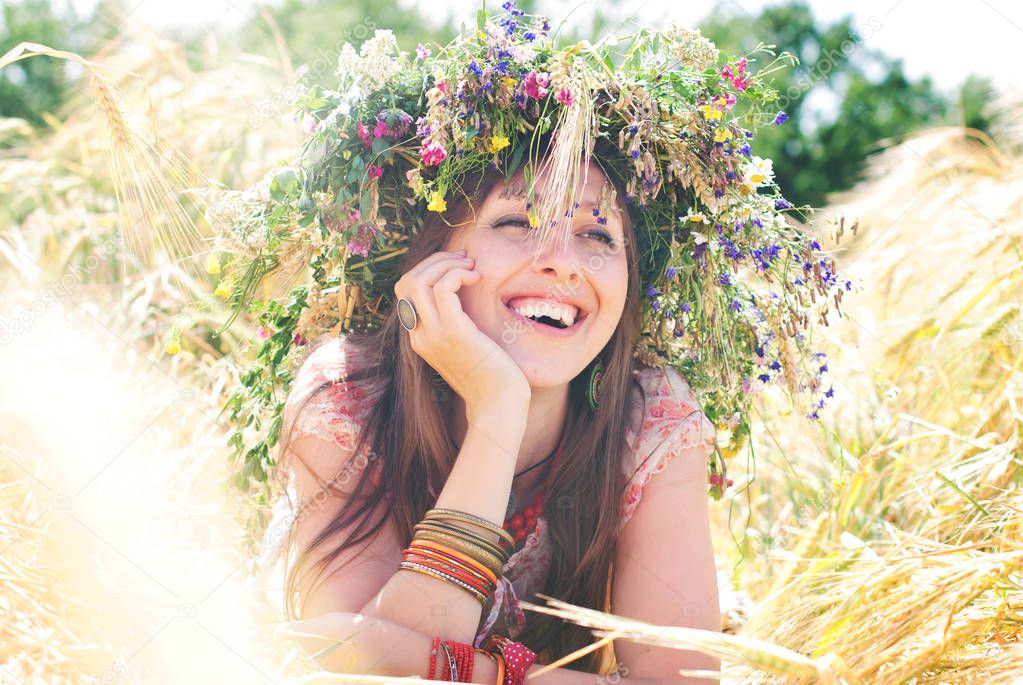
<point>586,278</point>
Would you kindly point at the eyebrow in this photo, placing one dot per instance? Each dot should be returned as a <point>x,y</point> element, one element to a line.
<point>516,190</point>
<point>519,193</point>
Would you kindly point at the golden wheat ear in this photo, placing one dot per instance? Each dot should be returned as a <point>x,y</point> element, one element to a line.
<point>754,653</point>
<point>147,173</point>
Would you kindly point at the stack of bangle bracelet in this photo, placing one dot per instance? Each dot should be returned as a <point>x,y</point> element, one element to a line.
<point>446,545</point>
<point>456,659</point>
<point>449,545</point>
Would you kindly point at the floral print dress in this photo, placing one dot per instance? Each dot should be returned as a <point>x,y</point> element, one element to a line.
<point>669,422</point>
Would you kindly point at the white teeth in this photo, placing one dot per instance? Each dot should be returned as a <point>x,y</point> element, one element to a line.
<point>565,313</point>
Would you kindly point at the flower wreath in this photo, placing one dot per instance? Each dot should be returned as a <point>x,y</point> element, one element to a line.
<point>731,287</point>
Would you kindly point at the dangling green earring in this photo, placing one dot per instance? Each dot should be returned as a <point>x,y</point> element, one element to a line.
<point>593,389</point>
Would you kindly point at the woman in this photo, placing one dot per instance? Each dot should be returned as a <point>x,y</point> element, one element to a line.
<point>518,389</point>
<point>498,407</point>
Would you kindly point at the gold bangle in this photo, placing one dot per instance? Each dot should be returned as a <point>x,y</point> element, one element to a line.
<point>470,518</point>
<point>472,544</point>
<point>466,535</point>
<point>460,531</point>
<point>480,555</point>
<point>440,575</point>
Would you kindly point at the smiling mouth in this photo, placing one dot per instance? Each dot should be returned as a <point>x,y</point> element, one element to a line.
<point>549,323</point>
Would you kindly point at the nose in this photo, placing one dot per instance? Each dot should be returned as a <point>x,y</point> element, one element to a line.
<point>558,258</point>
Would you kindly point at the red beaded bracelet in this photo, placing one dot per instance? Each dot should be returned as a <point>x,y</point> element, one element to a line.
<point>450,667</point>
<point>433,657</point>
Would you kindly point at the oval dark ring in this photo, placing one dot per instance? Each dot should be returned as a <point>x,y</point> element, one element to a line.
<point>406,314</point>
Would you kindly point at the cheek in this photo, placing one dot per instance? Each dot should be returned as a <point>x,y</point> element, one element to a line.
<point>613,286</point>
<point>479,296</point>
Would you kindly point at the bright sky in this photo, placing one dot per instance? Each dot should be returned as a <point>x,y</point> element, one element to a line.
<point>947,40</point>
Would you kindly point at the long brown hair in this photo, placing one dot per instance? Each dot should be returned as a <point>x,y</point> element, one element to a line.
<point>408,426</point>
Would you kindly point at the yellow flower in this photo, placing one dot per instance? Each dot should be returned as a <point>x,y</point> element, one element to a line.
<point>729,452</point>
<point>437,203</point>
<point>223,289</point>
<point>509,81</point>
<point>722,135</point>
<point>173,346</point>
<point>497,143</point>
<point>212,263</point>
<point>534,218</point>
<point>347,154</point>
<point>710,112</point>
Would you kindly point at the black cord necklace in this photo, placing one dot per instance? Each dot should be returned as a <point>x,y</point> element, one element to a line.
<point>512,499</point>
<point>539,463</point>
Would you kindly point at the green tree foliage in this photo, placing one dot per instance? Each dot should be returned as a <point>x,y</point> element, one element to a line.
<point>33,86</point>
<point>843,97</point>
<point>311,32</point>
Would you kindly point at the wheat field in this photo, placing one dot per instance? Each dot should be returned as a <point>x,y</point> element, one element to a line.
<point>881,544</point>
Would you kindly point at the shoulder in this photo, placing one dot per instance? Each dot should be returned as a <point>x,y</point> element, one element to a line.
<point>325,407</point>
<point>666,420</point>
<point>665,408</point>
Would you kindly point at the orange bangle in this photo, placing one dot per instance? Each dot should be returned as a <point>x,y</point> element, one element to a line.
<point>481,585</point>
<point>423,546</point>
<point>435,559</point>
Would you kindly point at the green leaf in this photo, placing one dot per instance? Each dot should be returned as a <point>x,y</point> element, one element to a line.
<point>357,170</point>
<point>284,183</point>
<point>379,145</point>
<point>481,18</point>
<point>516,159</point>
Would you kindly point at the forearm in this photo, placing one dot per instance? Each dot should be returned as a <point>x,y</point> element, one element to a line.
<point>479,484</point>
<point>375,646</point>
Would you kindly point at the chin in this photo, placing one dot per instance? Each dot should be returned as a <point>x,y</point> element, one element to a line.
<point>550,371</point>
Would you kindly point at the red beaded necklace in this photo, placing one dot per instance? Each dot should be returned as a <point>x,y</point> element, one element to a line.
<point>520,525</point>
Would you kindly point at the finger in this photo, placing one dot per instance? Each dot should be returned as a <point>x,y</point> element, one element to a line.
<point>427,262</point>
<point>434,272</point>
<point>419,290</point>
<point>426,309</point>
<point>426,275</point>
<point>449,307</point>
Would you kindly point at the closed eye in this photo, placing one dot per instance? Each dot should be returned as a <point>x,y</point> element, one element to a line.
<point>523,222</point>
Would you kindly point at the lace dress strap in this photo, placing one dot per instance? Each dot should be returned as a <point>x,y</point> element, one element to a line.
<point>671,422</point>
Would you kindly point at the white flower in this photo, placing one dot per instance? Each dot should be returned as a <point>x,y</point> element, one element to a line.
<point>378,61</point>
<point>696,217</point>
<point>347,61</point>
<point>522,53</point>
<point>690,48</point>
<point>757,172</point>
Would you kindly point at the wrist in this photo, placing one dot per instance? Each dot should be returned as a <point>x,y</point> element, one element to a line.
<point>484,669</point>
<point>507,411</point>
